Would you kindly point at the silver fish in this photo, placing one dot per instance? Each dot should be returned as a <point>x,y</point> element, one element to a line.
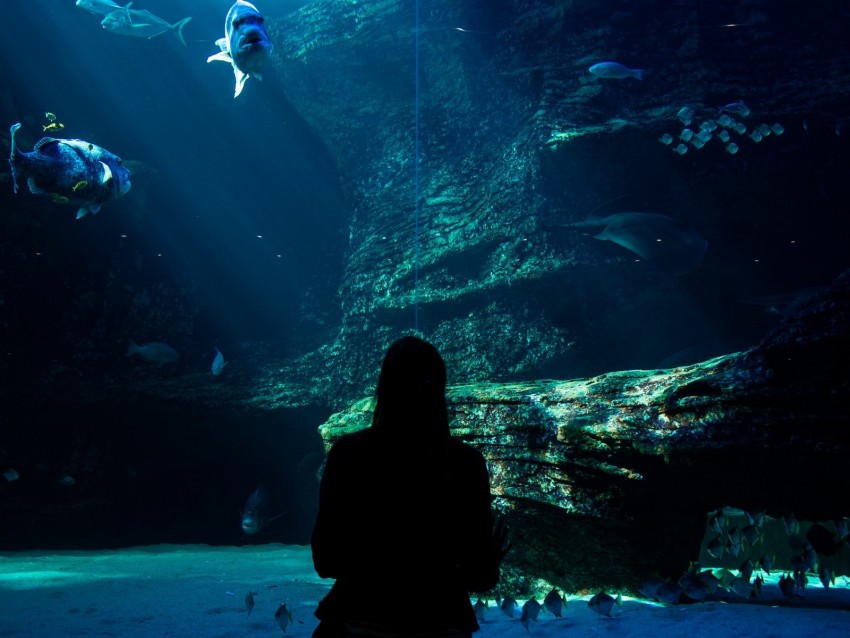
<point>103,7</point>
<point>554,603</point>
<point>530,611</point>
<point>508,606</point>
<point>603,604</point>
<point>141,24</point>
<point>245,44</point>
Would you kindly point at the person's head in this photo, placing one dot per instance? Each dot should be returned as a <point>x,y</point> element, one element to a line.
<point>412,388</point>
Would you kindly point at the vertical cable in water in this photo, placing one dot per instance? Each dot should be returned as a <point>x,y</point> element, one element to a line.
<point>416,177</point>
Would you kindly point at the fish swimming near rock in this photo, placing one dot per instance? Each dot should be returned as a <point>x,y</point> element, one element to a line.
<point>666,243</point>
<point>255,514</point>
<point>102,7</point>
<point>141,24</point>
<point>245,44</point>
<point>55,167</point>
<point>154,351</point>
<point>218,363</point>
<point>615,71</point>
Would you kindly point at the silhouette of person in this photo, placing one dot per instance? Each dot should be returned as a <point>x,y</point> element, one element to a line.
<point>404,522</point>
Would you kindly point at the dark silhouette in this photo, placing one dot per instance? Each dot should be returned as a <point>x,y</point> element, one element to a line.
<point>404,522</point>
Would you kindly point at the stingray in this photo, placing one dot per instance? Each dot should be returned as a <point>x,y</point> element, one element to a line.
<point>663,242</point>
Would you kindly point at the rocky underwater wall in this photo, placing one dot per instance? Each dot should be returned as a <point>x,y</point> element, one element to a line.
<point>460,200</point>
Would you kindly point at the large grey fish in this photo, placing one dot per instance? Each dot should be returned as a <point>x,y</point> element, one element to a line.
<point>154,351</point>
<point>664,242</point>
<point>69,171</point>
<point>245,44</point>
<point>141,24</point>
<point>103,7</point>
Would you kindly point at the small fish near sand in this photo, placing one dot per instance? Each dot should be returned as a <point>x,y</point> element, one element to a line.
<point>615,71</point>
<point>141,24</point>
<point>283,616</point>
<point>154,351</point>
<point>245,44</point>
<point>530,612</point>
<point>55,168</point>
<point>603,604</point>
<point>555,603</point>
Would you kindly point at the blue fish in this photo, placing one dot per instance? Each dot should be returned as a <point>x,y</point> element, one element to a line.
<point>141,24</point>
<point>615,71</point>
<point>70,171</point>
<point>103,7</point>
<point>245,44</point>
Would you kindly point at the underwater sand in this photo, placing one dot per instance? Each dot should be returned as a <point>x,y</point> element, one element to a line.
<point>195,590</point>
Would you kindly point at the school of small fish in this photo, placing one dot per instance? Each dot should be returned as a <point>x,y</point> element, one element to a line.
<point>738,537</point>
<point>720,124</point>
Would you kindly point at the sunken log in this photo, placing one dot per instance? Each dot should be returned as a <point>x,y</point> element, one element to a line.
<point>606,480</point>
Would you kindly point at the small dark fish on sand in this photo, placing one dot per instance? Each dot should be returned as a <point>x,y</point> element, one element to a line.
<point>603,604</point>
<point>283,617</point>
<point>554,603</point>
<point>508,607</point>
<point>530,611</point>
<point>479,608</point>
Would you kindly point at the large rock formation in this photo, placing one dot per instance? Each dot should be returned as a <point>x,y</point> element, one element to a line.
<point>459,177</point>
<point>609,479</point>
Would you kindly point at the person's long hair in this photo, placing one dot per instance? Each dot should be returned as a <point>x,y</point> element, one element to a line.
<point>411,398</point>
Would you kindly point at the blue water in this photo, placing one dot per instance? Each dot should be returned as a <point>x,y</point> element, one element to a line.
<point>236,196</point>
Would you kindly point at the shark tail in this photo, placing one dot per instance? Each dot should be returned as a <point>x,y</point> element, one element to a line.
<point>178,29</point>
<point>13,153</point>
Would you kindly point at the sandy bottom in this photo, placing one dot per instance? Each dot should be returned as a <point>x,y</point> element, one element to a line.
<point>195,590</point>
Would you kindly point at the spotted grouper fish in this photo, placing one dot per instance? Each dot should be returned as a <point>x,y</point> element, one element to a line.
<point>70,172</point>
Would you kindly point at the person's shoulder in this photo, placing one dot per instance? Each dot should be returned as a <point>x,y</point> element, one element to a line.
<point>350,441</point>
